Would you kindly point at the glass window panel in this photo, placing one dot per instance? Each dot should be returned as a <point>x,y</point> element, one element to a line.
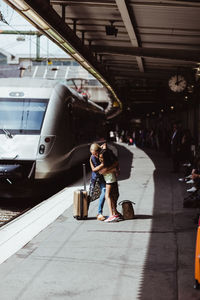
<point>22,116</point>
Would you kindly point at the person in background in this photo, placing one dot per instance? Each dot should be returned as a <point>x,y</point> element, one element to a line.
<point>195,176</point>
<point>175,148</point>
<point>185,149</point>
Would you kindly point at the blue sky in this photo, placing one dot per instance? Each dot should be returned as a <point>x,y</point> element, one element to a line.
<point>10,44</point>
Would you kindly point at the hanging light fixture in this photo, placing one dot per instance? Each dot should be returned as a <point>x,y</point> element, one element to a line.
<point>111,29</point>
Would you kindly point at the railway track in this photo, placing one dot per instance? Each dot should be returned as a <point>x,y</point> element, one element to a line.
<point>9,214</point>
<point>12,207</point>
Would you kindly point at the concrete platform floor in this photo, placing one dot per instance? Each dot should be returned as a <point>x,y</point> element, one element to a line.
<point>148,258</point>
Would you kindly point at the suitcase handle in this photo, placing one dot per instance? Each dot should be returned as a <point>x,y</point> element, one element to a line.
<point>125,201</point>
<point>84,177</point>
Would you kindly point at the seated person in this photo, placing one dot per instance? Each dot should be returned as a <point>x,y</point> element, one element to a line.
<point>195,176</point>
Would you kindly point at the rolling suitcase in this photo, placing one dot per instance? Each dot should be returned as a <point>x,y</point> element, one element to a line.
<point>80,205</point>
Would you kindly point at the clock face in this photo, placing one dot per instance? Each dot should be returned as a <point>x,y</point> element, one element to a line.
<point>177,83</point>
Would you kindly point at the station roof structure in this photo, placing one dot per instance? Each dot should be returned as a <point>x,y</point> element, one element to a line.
<point>132,46</point>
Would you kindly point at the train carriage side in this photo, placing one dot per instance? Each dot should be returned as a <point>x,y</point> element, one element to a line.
<point>44,128</point>
<point>70,124</point>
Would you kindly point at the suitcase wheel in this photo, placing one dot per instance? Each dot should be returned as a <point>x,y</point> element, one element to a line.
<point>79,218</point>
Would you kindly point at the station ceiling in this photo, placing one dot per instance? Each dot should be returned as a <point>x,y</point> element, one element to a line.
<point>134,45</point>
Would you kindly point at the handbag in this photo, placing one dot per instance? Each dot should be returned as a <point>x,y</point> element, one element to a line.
<point>127,209</point>
<point>94,190</point>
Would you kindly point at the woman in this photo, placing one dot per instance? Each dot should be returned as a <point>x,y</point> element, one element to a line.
<point>94,162</point>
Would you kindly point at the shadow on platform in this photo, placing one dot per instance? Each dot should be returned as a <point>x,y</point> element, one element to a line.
<point>164,253</point>
<point>127,157</point>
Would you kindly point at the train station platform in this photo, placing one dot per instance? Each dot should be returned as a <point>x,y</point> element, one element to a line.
<point>148,258</point>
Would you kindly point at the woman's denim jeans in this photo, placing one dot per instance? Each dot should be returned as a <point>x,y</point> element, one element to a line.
<point>102,197</point>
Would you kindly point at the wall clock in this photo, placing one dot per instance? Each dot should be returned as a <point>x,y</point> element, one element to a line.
<point>177,83</point>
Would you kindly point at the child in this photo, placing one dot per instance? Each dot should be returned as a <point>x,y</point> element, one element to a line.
<point>108,167</point>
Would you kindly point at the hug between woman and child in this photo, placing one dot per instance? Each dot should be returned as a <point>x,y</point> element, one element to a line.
<point>105,168</point>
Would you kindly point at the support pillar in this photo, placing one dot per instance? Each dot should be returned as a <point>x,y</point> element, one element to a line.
<point>38,46</point>
<point>74,25</point>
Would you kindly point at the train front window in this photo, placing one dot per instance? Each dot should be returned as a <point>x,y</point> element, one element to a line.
<point>22,116</point>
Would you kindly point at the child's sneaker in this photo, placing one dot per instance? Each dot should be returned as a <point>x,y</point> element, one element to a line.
<point>111,219</point>
<point>119,217</point>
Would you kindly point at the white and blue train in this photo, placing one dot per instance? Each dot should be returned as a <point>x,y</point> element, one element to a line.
<point>45,128</point>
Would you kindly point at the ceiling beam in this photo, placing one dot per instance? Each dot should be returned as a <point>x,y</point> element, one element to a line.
<point>130,29</point>
<point>177,54</point>
<point>83,2</point>
<point>167,3</point>
<point>138,75</point>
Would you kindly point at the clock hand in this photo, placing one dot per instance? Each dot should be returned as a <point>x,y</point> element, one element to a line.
<point>177,83</point>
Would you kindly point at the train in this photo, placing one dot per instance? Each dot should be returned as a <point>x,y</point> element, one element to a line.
<point>46,128</point>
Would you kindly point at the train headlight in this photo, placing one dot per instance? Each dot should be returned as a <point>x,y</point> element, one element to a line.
<point>47,139</point>
<point>41,149</point>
